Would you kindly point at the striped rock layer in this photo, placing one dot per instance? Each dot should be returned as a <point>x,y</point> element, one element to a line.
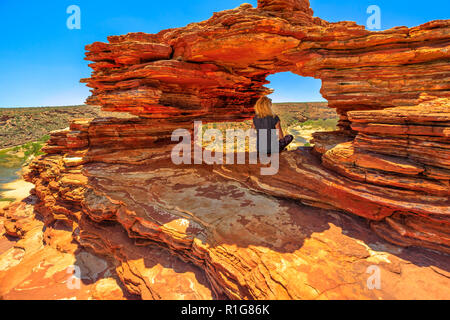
<point>388,163</point>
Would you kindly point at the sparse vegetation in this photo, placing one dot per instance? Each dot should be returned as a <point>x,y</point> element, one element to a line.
<point>21,125</point>
<point>293,114</point>
<point>7,200</point>
<point>18,155</point>
<point>322,124</point>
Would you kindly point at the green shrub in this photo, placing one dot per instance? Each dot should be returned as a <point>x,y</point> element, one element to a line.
<point>321,124</point>
<point>44,139</point>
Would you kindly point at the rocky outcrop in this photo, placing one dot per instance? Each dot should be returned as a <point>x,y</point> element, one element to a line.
<point>42,261</point>
<point>254,236</point>
<point>216,69</point>
<point>248,244</point>
<point>385,86</point>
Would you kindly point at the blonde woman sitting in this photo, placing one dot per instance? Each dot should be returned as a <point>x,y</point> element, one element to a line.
<point>265,119</point>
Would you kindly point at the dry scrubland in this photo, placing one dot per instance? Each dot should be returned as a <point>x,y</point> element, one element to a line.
<point>21,125</point>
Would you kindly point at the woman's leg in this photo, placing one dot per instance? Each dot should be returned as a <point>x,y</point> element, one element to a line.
<point>285,141</point>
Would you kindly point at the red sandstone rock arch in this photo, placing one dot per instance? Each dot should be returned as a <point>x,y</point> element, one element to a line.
<point>389,161</point>
<point>222,62</point>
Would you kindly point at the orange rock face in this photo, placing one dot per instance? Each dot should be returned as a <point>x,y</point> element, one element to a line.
<point>236,243</point>
<point>385,86</point>
<point>234,232</point>
<point>38,260</point>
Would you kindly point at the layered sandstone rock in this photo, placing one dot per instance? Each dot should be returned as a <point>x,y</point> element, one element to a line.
<point>388,163</point>
<point>385,86</point>
<point>38,262</point>
<point>219,66</point>
<point>250,245</point>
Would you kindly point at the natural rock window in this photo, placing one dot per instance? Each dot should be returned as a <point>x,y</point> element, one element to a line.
<point>300,106</point>
<point>253,236</point>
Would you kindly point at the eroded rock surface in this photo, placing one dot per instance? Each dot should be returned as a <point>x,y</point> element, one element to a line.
<point>390,88</point>
<point>249,244</point>
<point>41,261</point>
<point>311,231</point>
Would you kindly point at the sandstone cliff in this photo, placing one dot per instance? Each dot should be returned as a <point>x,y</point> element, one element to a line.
<point>387,168</point>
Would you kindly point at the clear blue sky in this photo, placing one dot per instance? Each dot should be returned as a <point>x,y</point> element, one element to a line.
<point>41,61</point>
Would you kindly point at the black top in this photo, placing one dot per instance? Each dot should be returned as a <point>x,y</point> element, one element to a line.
<point>267,123</point>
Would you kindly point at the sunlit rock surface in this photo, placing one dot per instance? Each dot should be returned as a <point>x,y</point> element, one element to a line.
<point>38,262</point>
<point>373,193</point>
<point>235,242</point>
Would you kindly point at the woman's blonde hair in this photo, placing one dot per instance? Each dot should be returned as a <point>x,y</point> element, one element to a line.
<point>263,107</point>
